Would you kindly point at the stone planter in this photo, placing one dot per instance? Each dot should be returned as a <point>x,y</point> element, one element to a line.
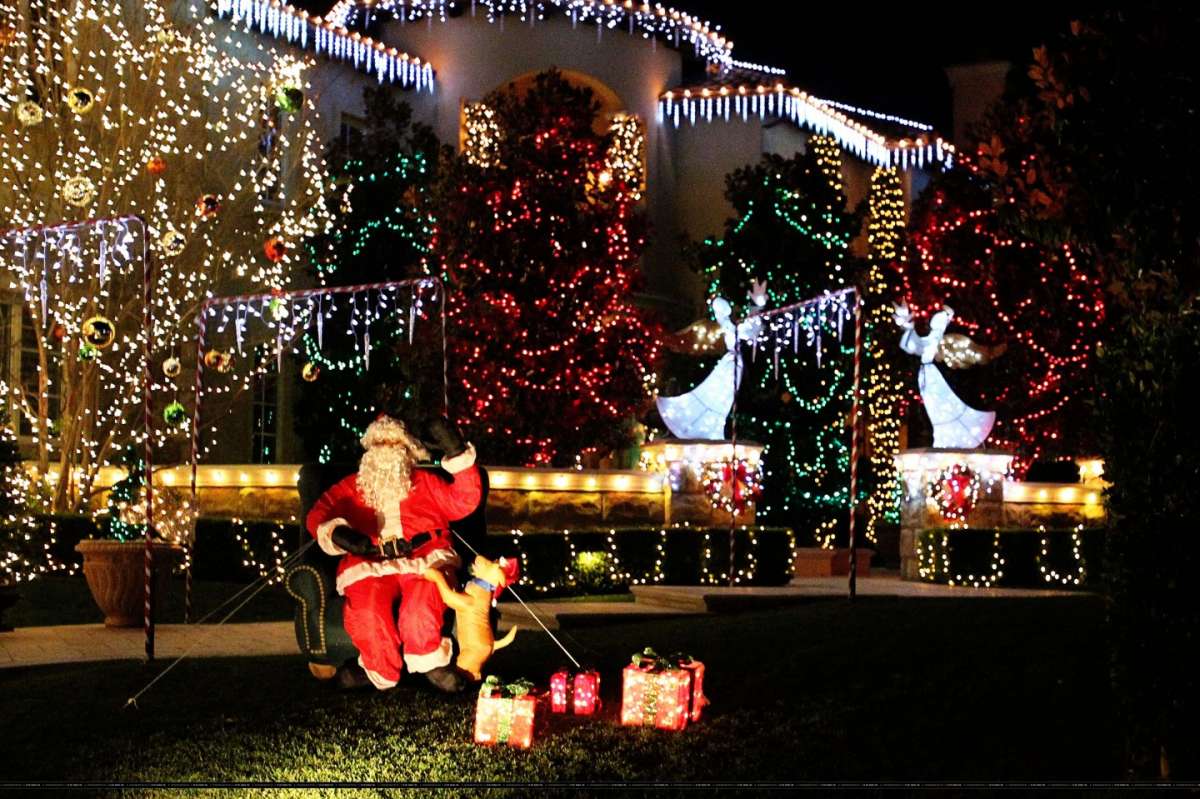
<point>115,572</point>
<point>8,597</point>
<point>818,562</point>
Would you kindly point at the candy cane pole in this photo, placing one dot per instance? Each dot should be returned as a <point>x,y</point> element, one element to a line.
<point>854,426</point>
<point>148,344</point>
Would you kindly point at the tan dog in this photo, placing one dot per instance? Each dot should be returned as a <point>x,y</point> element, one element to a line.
<point>473,607</point>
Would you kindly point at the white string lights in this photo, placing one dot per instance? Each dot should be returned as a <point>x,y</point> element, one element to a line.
<point>331,40</point>
<point>725,103</point>
<point>655,21</point>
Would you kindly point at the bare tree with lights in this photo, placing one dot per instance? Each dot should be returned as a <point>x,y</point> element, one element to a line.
<point>121,108</point>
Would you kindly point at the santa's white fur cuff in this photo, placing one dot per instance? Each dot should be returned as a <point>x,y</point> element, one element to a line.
<point>461,462</point>
<point>325,536</point>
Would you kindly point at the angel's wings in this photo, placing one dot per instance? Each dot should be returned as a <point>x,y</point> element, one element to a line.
<point>902,315</point>
<point>960,352</point>
<point>700,338</point>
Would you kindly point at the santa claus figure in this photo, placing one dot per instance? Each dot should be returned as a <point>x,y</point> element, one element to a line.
<point>390,522</point>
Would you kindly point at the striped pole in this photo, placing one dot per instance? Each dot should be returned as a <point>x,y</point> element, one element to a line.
<point>201,332</point>
<point>148,344</point>
<point>854,436</point>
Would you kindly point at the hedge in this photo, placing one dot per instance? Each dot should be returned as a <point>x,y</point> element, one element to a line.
<point>557,563</point>
<point>972,556</point>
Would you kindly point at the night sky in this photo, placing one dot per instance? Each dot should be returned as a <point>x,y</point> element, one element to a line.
<point>885,57</point>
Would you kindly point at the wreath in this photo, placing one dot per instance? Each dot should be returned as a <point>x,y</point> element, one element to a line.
<point>955,492</point>
<point>732,485</point>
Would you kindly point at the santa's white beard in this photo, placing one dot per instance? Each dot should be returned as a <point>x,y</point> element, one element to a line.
<point>385,477</point>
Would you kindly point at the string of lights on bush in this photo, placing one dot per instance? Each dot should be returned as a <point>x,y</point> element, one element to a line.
<point>617,575</point>
<point>1051,575</point>
<point>933,559</point>
<point>270,564</point>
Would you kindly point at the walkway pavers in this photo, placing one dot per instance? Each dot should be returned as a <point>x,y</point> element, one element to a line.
<point>77,643</point>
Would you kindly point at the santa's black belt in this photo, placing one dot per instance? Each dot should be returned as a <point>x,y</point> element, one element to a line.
<point>421,539</point>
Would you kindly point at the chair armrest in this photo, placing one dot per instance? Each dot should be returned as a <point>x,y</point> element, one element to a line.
<point>309,586</point>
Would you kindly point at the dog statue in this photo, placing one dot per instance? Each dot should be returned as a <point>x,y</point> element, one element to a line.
<point>473,607</point>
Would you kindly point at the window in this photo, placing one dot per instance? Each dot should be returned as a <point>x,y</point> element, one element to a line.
<point>350,135</point>
<point>264,413</point>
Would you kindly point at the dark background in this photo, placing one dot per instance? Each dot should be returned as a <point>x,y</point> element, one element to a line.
<point>889,58</point>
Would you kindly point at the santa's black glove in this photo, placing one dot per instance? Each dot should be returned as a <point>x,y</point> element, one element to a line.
<point>353,541</point>
<point>396,548</point>
<point>443,435</point>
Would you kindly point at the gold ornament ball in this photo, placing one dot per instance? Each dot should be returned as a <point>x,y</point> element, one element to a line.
<point>208,206</point>
<point>219,361</point>
<point>172,242</point>
<point>78,191</point>
<point>30,114</point>
<point>79,99</point>
<point>310,372</point>
<point>172,367</point>
<point>99,331</point>
<point>156,165</point>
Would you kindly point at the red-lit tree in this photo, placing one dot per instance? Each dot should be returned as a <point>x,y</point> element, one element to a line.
<point>539,238</point>
<point>1041,302</point>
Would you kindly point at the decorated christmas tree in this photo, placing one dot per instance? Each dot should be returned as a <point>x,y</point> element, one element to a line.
<point>791,229</point>
<point>383,171</point>
<point>1039,307</point>
<point>539,237</point>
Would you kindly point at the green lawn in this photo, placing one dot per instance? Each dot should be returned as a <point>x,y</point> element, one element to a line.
<point>886,689</point>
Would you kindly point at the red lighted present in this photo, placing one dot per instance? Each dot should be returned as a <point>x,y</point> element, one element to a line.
<point>662,692</point>
<point>581,694</point>
<point>504,714</point>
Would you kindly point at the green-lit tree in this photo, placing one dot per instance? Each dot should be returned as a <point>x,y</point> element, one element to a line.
<point>383,172</point>
<point>791,229</point>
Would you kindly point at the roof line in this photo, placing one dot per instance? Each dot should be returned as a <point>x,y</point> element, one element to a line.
<point>708,104</point>
<point>282,21</point>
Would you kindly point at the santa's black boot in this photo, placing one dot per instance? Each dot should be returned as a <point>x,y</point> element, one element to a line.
<point>351,676</point>
<point>446,679</point>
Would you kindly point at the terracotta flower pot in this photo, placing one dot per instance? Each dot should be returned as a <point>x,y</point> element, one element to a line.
<point>115,572</point>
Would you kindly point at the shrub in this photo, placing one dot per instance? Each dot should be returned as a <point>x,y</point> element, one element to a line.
<point>1016,558</point>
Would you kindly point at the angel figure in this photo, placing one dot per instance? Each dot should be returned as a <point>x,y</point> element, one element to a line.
<point>956,425</point>
<point>701,413</point>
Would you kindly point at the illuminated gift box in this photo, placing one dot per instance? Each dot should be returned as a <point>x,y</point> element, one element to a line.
<point>661,692</point>
<point>504,714</point>
<point>581,693</point>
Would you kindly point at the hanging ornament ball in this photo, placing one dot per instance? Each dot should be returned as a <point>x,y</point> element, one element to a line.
<point>275,249</point>
<point>79,99</point>
<point>278,309</point>
<point>786,397</point>
<point>8,35</point>
<point>289,99</point>
<point>208,206</point>
<point>219,361</point>
<point>172,367</point>
<point>175,414</point>
<point>165,36</point>
<point>30,114</point>
<point>59,331</point>
<point>99,331</point>
<point>172,242</point>
<point>78,191</point>
<point>310,372</point>
<point>87,352</point>
<point>156,165</point>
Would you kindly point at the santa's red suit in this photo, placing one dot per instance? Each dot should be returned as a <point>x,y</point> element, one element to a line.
<point>372,585</point>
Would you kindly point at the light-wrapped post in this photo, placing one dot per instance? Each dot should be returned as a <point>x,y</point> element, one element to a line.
<point>855,407</point>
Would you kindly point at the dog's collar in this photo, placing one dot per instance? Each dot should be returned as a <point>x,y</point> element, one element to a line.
<point>484,584</point>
